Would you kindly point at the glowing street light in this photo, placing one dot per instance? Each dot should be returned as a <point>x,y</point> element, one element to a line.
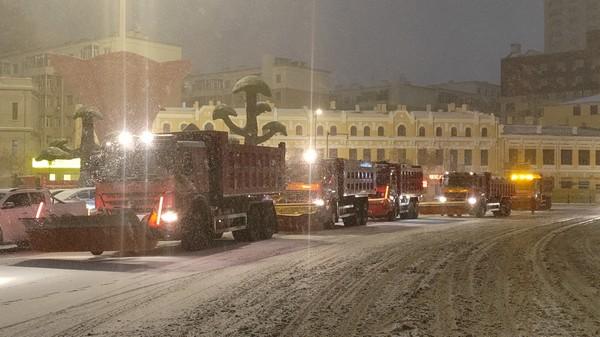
<point>310,156</point>
<point>147,137</point>
<point>125,138</point>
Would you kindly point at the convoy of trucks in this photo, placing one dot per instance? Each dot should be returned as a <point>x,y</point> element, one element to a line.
<point>193,186</point>
<point>398,190</point>
<point>319,194</point>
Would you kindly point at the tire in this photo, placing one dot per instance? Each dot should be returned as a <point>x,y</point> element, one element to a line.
<point>254,230</point>
<point>333,218</point>
<point>268,220</point>
<point>413,210</point>
<point>480,213</point>
<point>196,229</point>
<point>393,215</point>
<point>97,252</point>
<point>350,221</point>
<point>363,212</point>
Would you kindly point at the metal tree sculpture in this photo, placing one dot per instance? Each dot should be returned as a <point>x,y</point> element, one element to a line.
<point>252,86</point>
<point>88,143</point>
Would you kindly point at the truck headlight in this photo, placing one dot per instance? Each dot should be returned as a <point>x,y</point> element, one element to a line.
<point>169,216</point>
<point>472,200</point>
<point>319,202</point>
<point>443,199</point>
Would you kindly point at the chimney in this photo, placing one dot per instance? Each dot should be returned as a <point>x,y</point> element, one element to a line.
<point>451,107</point>
<point>428,107</point>
<point>332,105</point>
<point>515,48</point>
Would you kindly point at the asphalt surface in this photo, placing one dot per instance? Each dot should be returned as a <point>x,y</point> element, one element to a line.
<point>526,275</point>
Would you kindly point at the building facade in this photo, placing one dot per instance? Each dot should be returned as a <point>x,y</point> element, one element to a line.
<point>450,140</point>
<point>531,80</point>
<point>293,84</point>
<point>481,96</point>
<point>581,112</point>
<point>56,103</point>
<point>566,23</point>
<point>19,127</point>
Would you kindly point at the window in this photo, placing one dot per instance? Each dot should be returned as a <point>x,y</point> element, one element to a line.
<point>453,158</point>
<point>19,200</point>
<point>484,158</point>
<point>15,111</point>
<point>67,177</point>
<point>468,157</point>
<point>166,127</point>
<point>353,131</point>
<point>484,132</point>
<point>333,153</point>
<point>319,130</point>
<point>584,185</point>
<point>593,109</point>
<point>566,157</point>
<point>209,127</point>
<point>531,156</point>
<point>439,157</point>
<point>380,154</point>
<point>367,154</point>
<point>421,132</point>
<point>453,132</point>
<point>401,132</point>
<point>352,154</point>
<point>566,183</point>
<point>298,130</point>
<point>438,131</point>
<point>548,157</point>
<point>367,131</point>
<point>401,155</point>
<point>513,156</point>
<point>576,110</point>
<point>468,132</point>
<point>333,130</point>
<point>584,157</point>
<point>380,131</point>
<point>422,156</point>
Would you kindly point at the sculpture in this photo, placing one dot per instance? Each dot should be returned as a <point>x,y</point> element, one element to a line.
<point>252,86</point>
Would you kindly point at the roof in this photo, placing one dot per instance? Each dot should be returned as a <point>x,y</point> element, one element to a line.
<point>550,131</point>
<point>584,100</point>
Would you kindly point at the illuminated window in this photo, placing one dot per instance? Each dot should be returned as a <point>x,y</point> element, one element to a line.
<point>52,177</point>
<point>67,177</point>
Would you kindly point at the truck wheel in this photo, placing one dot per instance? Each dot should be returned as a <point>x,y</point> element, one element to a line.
<point>413,210</point>
<point>196,231</point>
<point>393,214</point>
<point>96,252</point>
<point>333,218</point>
<point>480,213</point>
<point>254,227</point>
<point>269,221</point>
<point>363,211</point>
<point>548,203</point>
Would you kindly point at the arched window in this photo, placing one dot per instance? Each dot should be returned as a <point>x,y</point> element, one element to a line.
<point>380,131</point>
<point>367,131</point>
<point>438,131</point>
<point>468,132</point>
<point>484,132</point>
<point>298,130</point>
<point>401,131</point>
<point>319,130</point>
<point>182,126</point>
<point>209,127</point>
<point>353,131</point>
<point>166,127</point>
<point>333,130</point>
<point>422,131</point>
<point>453,132</point>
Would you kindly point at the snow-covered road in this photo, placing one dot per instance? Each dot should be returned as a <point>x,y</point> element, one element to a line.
<point>526,275</point>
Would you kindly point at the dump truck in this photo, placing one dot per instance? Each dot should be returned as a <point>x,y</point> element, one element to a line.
<point>531,189</point>
<point>318,195</point>
<point>191,186</point>
<point>474,194</point>
<point>398,191</point>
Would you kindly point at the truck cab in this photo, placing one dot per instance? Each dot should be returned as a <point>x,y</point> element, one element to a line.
<point>532,186</point>
<point>397,192</point>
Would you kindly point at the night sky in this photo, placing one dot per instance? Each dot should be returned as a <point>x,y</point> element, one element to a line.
<point>361,41</point>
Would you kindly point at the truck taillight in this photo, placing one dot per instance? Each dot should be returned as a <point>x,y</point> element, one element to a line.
<point>153,220</point>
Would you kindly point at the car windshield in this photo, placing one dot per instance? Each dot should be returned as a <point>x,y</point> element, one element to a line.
<point>264,168</point>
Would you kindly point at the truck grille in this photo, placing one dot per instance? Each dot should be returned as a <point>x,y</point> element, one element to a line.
<point>455,196</point>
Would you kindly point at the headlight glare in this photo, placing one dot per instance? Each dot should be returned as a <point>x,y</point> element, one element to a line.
<point>443,199</point>
<point>472,200</point>
<point>169,216</point>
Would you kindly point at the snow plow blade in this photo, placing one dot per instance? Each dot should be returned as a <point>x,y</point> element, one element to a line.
<point>298,218</point>
<point>121,231</point>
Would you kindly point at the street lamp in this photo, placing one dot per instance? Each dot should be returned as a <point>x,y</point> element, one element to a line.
<point>310,156</point>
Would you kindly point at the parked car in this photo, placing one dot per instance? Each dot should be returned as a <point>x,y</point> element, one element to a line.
<point>19,203</point>
<point>85,194</point>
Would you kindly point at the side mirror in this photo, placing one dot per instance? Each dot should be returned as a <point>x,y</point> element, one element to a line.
<point>8,204</point>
